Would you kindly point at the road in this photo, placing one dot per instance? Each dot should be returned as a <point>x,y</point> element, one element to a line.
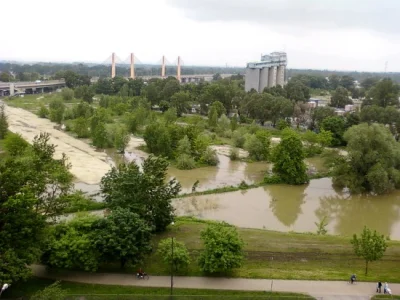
<point>319,289</point>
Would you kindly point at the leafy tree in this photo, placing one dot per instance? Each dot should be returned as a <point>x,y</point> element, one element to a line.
<point>368,83</point>
<point>224,123</point>
<point>213,117</point>
<point>15,145</point>
<point>384,93</point>
<point>57,109</point>
<point>5,77</point>
<point>180,101</point>
<point>340,98</point>
<point>234,123</point>
<point>85,93</point>
<point>370,246</point>
<point>122,236</point>
<point>258,145</point>
<point>81,127</point>
<point>184,146</point>
<point>98,128</point>
<point>146,193</point>
<point>315,143</point>
<point>334,81</point>
<point>179,259</point>
<point>210,157</point>
<point>21,233</point>
<point>217,77</point>
<point>219,107</point>
<point>164,105</point>
<point>73,79</point>
<point>336,125</point>
<point>185,162</point>
<point>158,140</point>
<point>288,159</point>
<point>67,94</point>
<point>83,109</point>
<point>170,116</point>
<point>347,82</point>
<point>318,114</point>
<point>171,87</point>
<point>119,136</point>
<point>297,91</point>
<point>51,292</point>
<point>70,245</point>
<point>223,249</point>
<point>3,122</point>
<point>365,168</point>
<point>279,108</point>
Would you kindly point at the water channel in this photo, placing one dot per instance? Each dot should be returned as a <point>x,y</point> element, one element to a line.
<point>277,207</point>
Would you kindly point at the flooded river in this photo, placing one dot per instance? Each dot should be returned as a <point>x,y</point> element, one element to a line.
<point>297,208</point>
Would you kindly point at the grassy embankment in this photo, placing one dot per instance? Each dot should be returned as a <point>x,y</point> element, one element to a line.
<point>110,292</point>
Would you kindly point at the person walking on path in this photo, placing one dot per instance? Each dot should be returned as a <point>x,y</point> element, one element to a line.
<point>385,287</point>
<point>379,287</point>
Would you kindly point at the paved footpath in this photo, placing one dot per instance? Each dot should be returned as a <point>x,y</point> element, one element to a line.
<point>325,289</point>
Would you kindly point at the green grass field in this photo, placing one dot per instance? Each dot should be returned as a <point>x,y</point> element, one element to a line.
<point>280,255</point>
<point>95,291</point>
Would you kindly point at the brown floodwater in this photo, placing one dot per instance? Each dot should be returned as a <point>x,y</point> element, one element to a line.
<point>298,208</point>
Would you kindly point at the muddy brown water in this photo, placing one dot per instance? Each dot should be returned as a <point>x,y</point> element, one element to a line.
<point>297,208</point>
<point>278,207</point>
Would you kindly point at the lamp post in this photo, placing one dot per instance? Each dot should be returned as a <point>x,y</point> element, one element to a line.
<point>3,288</point>
<point>172,262</point>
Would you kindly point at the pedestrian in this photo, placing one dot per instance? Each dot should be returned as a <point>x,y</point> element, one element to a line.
<point>385,287</point>
<point>379,287</point>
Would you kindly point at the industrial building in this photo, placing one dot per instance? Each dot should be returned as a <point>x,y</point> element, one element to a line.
<point>268,72</point>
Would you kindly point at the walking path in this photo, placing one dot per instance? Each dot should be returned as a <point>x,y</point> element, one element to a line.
<point>325,289</point>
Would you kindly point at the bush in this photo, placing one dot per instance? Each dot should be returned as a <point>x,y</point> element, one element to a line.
<point>185,162</point>
<point>239,138</point>
<point>180,258</point>
<point>57,109</point>
<point>69,114</point>
<point>81,127</point>
<point>14,144</point>
<point>272,179</point>
<point>234,154</point>
<point>223,249</point>
<point>210,157</point>
<point>282,124</point>
<point>67,94</point>
<point>43,111</point>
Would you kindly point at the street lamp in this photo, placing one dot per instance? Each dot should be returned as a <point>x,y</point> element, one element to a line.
<point>4,287</point>
<point>172,262</point>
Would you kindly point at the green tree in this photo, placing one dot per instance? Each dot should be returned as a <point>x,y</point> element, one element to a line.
<point>98,128</point>
<point>3,122</point>
<point>158,140</point>
<point>164,105</point>
<point>223,249</point>
<point>334,81</point>
<point>318,114</point>
<point>297,91</point>
<point>384,93</point>
<point>81,127</point>
<point>370,246</point>
<point>67,94</point>
<point>57,109</point>
<point>368,83</point>
<point>347,82</point>
<point>213,117</point>
<point>146,193</point>
<point>43,111</point>
<point>21,233</point>
<point>170,116</point>
<point>365,168</point>
<point>288,159</point>
<point>51,292</point>
<point>336,125</point>
<point>258,145</point>
<point>179,259</point>
<point>85,93</point>
<point>209,157</point>
<point>219,107</point>
<point>171,87</point>
<point>184,146</point>
<point>15,145</point>
<point>70,245</point>
<point>340,98</point>
<point>122,236</point>
<point>119,136</point>
<point>5,77</point>
<point>180,101</point>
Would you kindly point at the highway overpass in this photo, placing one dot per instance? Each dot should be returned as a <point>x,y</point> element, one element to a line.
<point>10,88</point>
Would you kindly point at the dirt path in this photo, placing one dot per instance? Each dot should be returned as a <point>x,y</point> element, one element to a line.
<point>339,289</point>
<point>88,165</point>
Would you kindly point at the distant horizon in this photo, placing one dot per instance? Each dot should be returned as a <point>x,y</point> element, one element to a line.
<point>38,62</point>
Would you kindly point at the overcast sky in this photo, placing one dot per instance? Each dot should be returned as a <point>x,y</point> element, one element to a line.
<point>316,34</point>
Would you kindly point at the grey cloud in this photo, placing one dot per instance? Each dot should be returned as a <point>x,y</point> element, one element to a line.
<point>376,15</point>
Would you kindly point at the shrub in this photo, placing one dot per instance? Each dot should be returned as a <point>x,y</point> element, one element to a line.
<point>234,154</point>
<point>239,138</point>
<point>185,162</point>
<point>43,111</point>
<point>210,157</point>
<point>67,94</point>
<point>14,144</point>
<point>179,259</point>
<point>81,127</point>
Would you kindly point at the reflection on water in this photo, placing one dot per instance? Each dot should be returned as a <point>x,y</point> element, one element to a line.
<point>297,208</point>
